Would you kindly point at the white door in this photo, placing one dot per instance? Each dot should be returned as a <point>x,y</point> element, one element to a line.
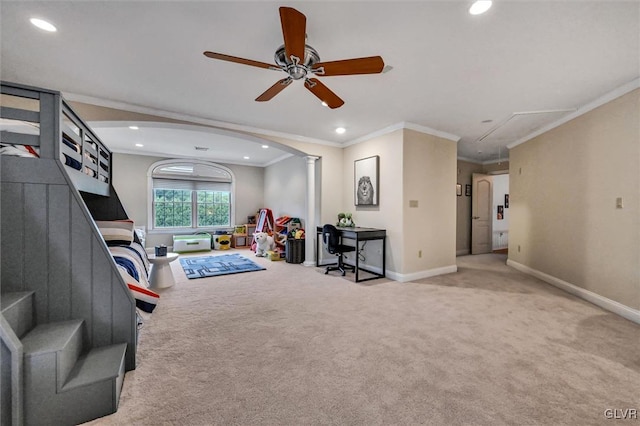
<point>481,214</point>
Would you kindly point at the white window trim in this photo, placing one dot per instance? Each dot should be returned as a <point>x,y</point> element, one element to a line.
<point>150,222</point>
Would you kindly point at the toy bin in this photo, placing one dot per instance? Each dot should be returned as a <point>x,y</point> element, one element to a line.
<point>222,242</point>
<point>295,250</point>
<point>188,243</point>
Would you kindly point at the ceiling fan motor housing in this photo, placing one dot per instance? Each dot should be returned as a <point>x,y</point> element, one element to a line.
<point>297,70</point>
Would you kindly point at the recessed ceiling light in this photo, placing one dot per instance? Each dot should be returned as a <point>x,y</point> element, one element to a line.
<point>139,145</point>
<point>43,25</point>
<point>340,130</point>
<point>134,127</point>
<point>246,157</point>
<point>480,6</point>
<point>265,146</point>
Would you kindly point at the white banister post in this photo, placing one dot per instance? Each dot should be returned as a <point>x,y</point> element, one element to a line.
<point>310,222</point>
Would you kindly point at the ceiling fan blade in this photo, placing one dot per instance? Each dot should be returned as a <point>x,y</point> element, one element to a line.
<point>274,90</point>
<point>369,65</point>
<point>235,59</point>
<point>323,93</point>
<point>293,29</point>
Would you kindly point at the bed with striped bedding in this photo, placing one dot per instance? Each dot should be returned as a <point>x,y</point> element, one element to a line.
<point>131,259</point>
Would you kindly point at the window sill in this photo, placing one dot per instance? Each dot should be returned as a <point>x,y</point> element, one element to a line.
<point>187,231</point>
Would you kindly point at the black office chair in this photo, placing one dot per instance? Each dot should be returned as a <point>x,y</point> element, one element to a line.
<point>331,241</point>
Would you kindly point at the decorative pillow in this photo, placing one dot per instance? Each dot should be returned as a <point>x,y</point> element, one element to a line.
<point>116,231</point>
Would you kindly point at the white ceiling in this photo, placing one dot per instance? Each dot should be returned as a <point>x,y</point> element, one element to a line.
<point>451,71</point>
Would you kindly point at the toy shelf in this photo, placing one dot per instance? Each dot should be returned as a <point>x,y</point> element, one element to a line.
<point>243,235</point>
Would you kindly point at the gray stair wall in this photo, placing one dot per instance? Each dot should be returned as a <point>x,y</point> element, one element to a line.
<point>50,245</point>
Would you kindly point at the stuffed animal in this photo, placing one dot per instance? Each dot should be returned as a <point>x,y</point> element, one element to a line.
<point>345,220</point>
<point>264,243</point>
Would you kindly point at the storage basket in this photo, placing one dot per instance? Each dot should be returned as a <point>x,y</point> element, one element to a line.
<point>295,250</point>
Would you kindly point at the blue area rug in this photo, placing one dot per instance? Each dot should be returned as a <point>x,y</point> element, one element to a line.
<point>211,266</point>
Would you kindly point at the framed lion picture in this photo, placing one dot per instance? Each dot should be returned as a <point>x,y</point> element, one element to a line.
<point>366,181</point>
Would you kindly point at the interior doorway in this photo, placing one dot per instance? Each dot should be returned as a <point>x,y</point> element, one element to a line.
<point>490,214</point>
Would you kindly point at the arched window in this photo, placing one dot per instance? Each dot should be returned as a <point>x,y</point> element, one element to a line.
<point>191,194</point>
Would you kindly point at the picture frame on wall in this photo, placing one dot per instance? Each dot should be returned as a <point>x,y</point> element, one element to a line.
<point>366,181</point>
<point>506,201</point>
<point>458,189</point>
<point>467,190</point>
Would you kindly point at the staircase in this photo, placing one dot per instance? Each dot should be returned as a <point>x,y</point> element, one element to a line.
<point>62,382</point>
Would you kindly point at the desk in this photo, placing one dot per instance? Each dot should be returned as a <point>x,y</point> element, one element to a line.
<point>358,234</point>
<point>161,275</point>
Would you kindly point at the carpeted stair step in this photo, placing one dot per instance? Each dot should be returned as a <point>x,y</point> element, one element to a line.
<point>17,309</point>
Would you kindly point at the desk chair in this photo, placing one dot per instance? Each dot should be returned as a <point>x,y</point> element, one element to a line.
<point>331,241</point>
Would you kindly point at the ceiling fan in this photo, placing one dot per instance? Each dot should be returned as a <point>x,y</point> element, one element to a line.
<point>300,60</point>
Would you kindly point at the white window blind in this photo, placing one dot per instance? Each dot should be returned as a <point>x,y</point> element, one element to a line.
<point>160,183</point>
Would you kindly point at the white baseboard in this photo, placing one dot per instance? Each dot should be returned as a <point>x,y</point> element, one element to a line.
<point>392,275</point>
<point>422,274</point>
<point>601,301</point>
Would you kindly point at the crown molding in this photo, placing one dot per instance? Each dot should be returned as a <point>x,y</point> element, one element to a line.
<point>400,126</point>
<point>502,160</point>
<point>433,132</point>
<point>191,118</point>
<point>614,94</point>
<point>469,160</point>
<point>277,160</point>
<point>216,160</point>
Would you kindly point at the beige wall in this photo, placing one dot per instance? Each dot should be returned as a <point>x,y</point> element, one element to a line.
<point>328,166</point>
<point>388,214</point>
<point>564,186</point>
<point>413,166</point>
<point>429,177</point>
<point>329,176</point>
<point>285,187</point>
<point>130,181</point>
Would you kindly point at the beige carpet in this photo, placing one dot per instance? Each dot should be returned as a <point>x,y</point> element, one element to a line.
<point>291,346</point>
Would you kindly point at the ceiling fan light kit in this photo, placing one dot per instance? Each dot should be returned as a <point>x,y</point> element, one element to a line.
<point>299,61</point>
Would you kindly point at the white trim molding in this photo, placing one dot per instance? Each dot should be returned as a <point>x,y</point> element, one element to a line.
<point>400,126</point>
<point>598,300</point>
<point>620,91</point>
<point>427,273</point>
<point>469,160</point>
<point>75,97</point>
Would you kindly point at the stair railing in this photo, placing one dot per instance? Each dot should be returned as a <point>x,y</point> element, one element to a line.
<point>11,341</point>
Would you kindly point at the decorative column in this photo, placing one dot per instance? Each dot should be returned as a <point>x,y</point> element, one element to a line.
<point>310,222</point>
